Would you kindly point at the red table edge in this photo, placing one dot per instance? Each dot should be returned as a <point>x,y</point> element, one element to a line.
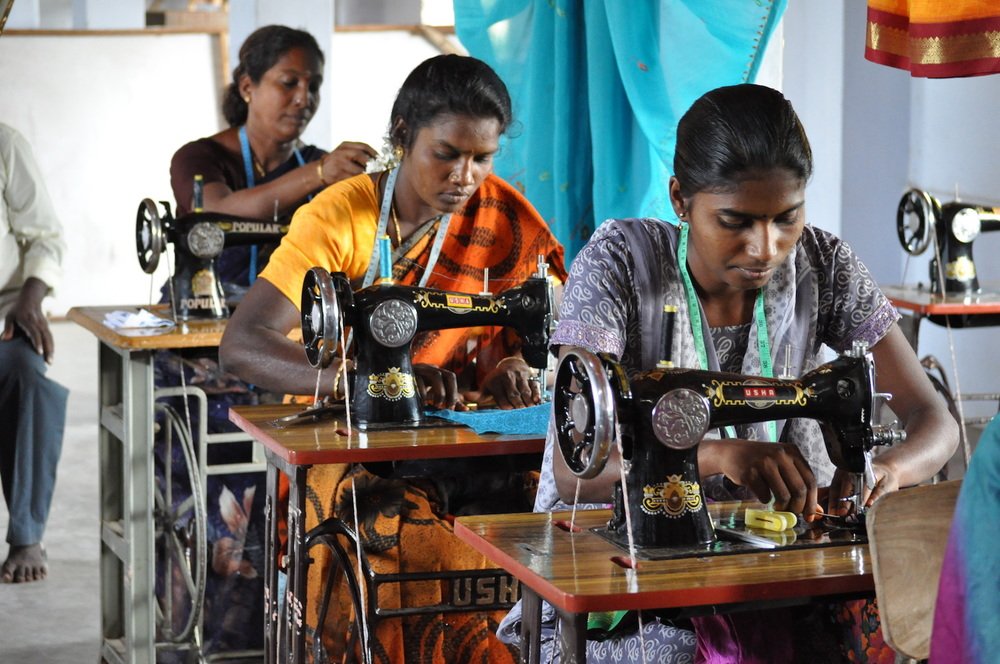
<point>509,445</point>
<point>944,308</point>
<point>682,597</point>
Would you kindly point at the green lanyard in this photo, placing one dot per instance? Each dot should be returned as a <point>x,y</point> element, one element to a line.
<point>694,309</point>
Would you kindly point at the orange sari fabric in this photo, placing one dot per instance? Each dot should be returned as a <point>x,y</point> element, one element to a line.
<point>935,38</point>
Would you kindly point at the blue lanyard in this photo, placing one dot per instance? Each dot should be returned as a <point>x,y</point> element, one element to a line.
<point>694,311</point>
<point>248,169</point>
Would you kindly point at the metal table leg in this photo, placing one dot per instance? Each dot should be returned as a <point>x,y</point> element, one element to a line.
<point>572,629</point>
<point>126,508</point>
<point>531,626</point>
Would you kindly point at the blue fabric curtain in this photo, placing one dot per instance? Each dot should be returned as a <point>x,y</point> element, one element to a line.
<point>598,87</point>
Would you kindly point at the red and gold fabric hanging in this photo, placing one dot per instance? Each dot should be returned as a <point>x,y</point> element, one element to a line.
<point>935,38</point>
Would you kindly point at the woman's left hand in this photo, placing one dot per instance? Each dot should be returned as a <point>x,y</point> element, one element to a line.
<point>346,160</point>
<point>842,488</point>
<point>511,385</point>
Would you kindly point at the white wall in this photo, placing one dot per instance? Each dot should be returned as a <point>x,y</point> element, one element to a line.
<point>813,82</point>
<point>105,114</point>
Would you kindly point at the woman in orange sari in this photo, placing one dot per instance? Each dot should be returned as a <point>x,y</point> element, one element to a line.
<point>448,218</point>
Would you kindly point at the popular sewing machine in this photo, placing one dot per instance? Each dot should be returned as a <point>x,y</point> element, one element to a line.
<point>386,316</point>
<point>956,226</point>
<point>662,415</point>
<point>198,239</point>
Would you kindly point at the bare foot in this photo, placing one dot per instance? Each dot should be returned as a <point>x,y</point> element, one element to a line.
<point>24,564</point>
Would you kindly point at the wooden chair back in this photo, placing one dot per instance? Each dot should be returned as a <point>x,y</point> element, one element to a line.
<point>907,534</point>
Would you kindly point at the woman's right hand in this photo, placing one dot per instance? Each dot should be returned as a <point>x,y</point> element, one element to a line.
<point>348,159</point>
<point>438,387</point>
<point>767,469</point>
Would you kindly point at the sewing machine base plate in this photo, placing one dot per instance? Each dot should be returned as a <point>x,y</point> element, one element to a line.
<point>800,537</point>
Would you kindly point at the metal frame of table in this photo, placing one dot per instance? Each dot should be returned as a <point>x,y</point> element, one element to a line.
<point>917,303</point>
<point>578,571</point>
<point>292,450</point>
<point>126,472</point>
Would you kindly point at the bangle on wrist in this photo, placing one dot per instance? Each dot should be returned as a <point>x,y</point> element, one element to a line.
<point>319,173</point>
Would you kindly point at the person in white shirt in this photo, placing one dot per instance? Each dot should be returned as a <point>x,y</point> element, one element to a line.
<point>32,406</point>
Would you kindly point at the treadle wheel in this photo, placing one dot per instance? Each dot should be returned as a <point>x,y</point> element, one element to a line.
<point>322,320</point>
<point>916,215</point>
<point>584,406</point>
<point>181,540</point>
<point>149,240</point>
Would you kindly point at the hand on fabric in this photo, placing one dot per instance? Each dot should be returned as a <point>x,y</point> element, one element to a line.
<point>842,486</point>
<point>767,469</point>
<point>438,387</point>
<point>510,384</point>
<point>347,159</point>
<point>27,315</point>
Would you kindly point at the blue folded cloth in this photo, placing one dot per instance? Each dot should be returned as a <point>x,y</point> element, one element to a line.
<point>520,421</point>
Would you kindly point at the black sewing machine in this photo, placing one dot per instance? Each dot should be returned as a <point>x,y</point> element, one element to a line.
<point>198,239</point>
<point>385,317</point>
<point>662,415</point>
<point>956,225</point>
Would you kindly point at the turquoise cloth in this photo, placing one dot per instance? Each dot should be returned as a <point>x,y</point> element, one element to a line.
<point>598,88</point>
<point>533,420</point>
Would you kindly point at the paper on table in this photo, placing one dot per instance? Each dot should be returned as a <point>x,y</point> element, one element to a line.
<point>129,319</point>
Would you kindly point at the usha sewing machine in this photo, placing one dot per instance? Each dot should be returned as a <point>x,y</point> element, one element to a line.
<point>198,239</point>
<point>386,316</point>
<point>956,226</point>
<point>662,415</point>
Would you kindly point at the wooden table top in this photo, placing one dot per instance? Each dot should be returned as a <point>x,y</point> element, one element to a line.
<point>190,334</point>
<point>576,573</point>
<point>922,301</point>
<point>326,441</point>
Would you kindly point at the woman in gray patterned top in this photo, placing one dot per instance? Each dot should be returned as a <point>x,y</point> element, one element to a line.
<point>746,271</point>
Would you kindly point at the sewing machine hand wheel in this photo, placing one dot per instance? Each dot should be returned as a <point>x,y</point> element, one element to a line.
<point>584,406</point>
<point>321,317</point>
<point>915,234</point>
<point>149,240</point>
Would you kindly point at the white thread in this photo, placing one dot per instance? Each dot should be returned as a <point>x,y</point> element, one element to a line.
<point>576,499</point>
<point>319,373</point>
<point>361,576</point>
<point>957,396</point>
<point>628,530</point>
<point>347,391</point>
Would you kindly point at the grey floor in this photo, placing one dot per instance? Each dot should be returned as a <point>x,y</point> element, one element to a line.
<point>56,621</point>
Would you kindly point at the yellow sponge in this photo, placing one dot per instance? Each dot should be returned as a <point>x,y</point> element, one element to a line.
<point>768,520</point>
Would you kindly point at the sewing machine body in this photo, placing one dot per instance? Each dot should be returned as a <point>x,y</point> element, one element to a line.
<point>198,239</point>
<point>662,416</point>
<point>385,318</point>
<point>956,225</point>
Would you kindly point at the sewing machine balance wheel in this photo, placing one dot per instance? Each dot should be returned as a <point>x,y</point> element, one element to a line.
<point>321,317</point>
<point>149,240</point>
<point>584,406</point>
<point>916,215</point>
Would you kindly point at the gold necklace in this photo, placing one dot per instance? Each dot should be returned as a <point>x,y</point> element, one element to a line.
<point>258,166</point>
<point>395,223</point>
